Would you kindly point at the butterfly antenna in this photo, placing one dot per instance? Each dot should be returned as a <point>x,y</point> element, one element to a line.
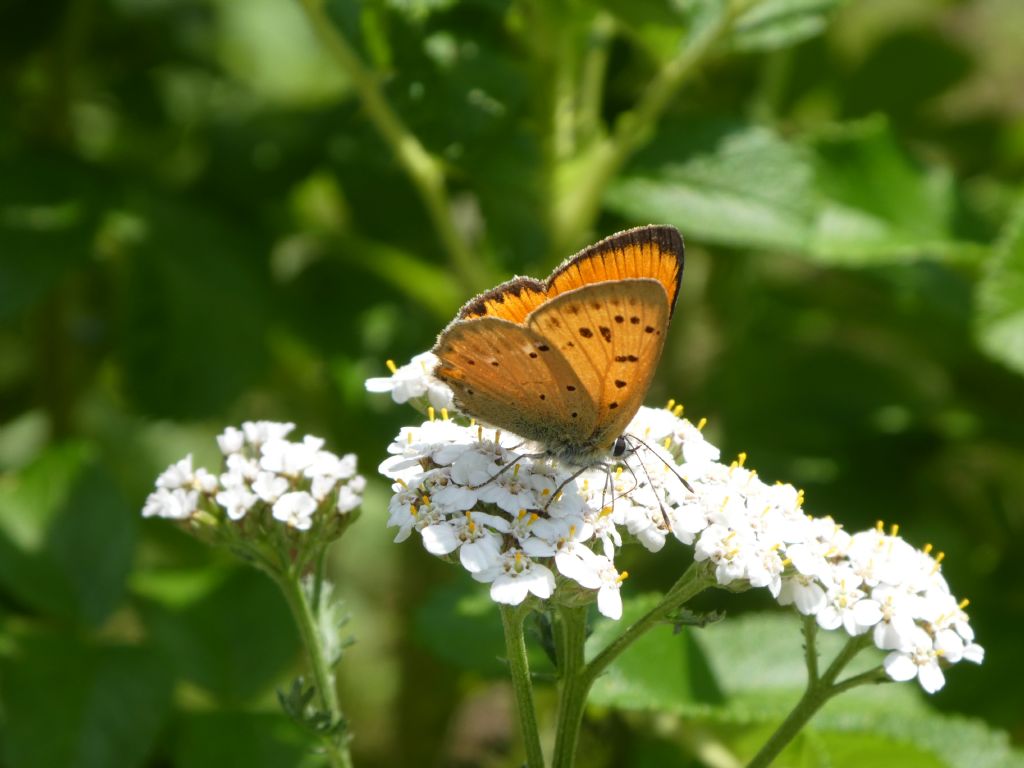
<point>661,504</point>
<point>671,467</point>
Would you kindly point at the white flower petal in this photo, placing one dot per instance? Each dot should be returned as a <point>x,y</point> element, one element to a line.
<point>439,539</point>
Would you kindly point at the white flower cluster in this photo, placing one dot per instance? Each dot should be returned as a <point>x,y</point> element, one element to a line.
<point>262,471</point>
<point>524,523</point>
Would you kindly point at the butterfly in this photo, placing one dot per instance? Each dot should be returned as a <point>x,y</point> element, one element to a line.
<point>568,361</point>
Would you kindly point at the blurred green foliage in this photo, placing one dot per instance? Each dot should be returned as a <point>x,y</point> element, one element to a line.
<point>206,216</point>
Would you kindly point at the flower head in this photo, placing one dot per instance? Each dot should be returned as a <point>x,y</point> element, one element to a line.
<point>528,524</point>
<point>266,481</point>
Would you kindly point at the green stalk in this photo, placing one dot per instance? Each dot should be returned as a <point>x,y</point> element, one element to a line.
<point>323,677</point>
<point>818,692</point>
<point>577,677</point>
<point>585,180</point>
<point>423,169</point>
<point>694,581</point>
<point>573,683</point>
<point>512,618</point>
<point>810,627</point>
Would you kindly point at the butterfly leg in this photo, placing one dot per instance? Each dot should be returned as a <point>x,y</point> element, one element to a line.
<point>561,486</point>
<point>501,471</point>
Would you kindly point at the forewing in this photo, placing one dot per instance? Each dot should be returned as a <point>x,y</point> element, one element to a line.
<point>512,300</point>
<point>515,378</point>
<point>612,335</point>
<point>654,252</point>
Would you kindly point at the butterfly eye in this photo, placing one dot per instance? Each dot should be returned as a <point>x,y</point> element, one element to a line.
<point>619,446</point>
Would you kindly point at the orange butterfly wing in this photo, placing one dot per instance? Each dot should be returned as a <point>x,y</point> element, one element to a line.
<point>651,251</point>
<point>568,362</point>
<point>612,335</point>
<point>513,377</point>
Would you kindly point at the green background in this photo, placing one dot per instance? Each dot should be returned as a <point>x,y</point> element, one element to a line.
<point>202,221</point>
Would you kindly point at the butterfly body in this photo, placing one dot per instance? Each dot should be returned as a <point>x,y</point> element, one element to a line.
<point>567,362</point>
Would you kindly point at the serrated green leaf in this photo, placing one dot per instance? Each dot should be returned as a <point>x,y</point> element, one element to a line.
<point>722,183</point>
<point>80,704</point>
<point>663,670</point>
<point>813,748</point>
<point>954,741</point>
<point>999,322</point>
<point>759,662</point>
<point>852,197</point>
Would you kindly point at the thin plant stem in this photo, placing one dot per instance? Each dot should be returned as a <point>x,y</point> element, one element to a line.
<point>876,675</point>
<point>577,677</point>
<point>424,170</point>
<point>323,677</point>
<point>584,182</point>
<point>694,581</point>
<point>512,618</point>
<point>818,692</point>
<point>853,646</point>
<point>812,700</point>
<point>573,683</point>
<point>810,627</point>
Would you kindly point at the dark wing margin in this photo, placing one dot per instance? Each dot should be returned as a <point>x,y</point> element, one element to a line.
<point>655,251</point>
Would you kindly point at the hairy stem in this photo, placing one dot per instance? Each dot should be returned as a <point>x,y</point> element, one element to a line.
<point>573,683</point>
<point>577,677</point>
<point>512,618</point>
<point>323,677</point>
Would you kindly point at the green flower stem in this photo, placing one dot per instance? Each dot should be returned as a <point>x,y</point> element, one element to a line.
<point>577,677</point>
<point>573,685</point>
<point>323,677</point>
<point>694,581</point>
<point>818,692</point>
<point>512,618</point>
<point>810,648</point>
<point>424,169</point>
<point>585,180</point>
